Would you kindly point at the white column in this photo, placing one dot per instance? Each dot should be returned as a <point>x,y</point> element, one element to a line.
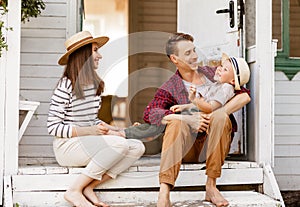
<point>2,109</point>
<point>265,67</point>
<point>12,85</point>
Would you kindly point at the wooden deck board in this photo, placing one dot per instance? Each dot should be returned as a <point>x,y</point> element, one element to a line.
<point>137,179</point>
<point>148,199</point>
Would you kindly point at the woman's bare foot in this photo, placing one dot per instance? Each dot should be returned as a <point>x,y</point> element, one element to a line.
<point>214,196</point>
<point>89,193</point>
<point>77,199</point>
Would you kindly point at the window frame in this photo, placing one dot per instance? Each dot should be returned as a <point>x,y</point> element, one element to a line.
<point>283,62</point>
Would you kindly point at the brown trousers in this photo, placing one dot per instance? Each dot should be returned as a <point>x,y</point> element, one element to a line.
<point>180,144</point>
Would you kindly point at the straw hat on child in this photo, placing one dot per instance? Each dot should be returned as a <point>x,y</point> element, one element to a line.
<point>241,70</point>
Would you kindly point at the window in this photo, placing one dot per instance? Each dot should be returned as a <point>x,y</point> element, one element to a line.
<point>286,28</point>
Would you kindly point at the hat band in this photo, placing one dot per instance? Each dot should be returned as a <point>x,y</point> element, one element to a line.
<point>235,64</point>
<point>76,43</point>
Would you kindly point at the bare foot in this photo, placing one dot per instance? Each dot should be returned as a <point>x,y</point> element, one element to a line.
<point>89,193</point>
<point>136,123</point>
<point>77,199</point>
<point>164,196</point>
<point>163,201</point>
<point>213,195</point>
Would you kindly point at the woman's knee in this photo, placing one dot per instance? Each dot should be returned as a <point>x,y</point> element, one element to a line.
<point>137,148</point>
<point>119,144</point>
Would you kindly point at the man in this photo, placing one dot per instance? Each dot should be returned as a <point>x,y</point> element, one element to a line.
<point>183,141</point>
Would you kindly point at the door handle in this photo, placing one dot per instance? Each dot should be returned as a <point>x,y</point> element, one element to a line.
<point>230,11</point>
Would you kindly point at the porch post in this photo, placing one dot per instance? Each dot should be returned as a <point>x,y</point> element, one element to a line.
<point>12,85</point>
<point>2,110</point>
<point>265,67</point>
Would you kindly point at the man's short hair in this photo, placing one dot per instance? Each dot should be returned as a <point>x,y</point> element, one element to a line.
<point>171,46</point>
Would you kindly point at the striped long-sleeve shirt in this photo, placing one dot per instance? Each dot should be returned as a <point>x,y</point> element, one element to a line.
<point>67,111</point>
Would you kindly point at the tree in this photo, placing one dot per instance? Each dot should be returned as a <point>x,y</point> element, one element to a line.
<point>30,8</point>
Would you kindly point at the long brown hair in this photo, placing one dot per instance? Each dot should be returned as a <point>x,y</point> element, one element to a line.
<point>80,70</point>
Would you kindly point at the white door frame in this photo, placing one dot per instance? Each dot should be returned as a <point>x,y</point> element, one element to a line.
<point>261,57</point>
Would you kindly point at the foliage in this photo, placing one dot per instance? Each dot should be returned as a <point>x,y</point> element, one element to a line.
<point>3,44</point>
<point>30,8</point>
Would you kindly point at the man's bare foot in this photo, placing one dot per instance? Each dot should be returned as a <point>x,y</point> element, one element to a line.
<point>164,196</point>
<point>77,199</point>
<point>89,193</point>
<point>214,196</point>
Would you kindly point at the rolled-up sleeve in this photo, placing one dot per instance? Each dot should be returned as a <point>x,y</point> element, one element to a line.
<point>159,107</point>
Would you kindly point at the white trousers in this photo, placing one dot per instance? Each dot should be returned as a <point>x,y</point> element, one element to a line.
<point>99,154</point>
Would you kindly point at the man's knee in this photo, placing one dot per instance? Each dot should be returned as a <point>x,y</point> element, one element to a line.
<point>177,124</point>
<point>219,115</point>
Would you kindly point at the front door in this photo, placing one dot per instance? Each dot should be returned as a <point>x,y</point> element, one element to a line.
<point>217,27</point>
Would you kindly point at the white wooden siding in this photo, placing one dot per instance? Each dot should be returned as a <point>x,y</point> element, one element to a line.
<point>42,43</point>
<point>287,131</point>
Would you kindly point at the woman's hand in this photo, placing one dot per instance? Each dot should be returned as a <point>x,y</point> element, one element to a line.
<point>90,130</point>
<point>99,129</point>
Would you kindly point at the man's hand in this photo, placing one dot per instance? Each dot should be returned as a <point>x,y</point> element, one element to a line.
<point>204,122</point>
<point>198,121</point>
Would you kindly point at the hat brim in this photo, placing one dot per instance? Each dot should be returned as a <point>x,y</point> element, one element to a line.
<point>99,40</point>
<point>236,80</point>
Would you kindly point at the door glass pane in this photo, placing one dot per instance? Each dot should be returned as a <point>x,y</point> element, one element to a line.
<point>110,18</point>
<point>277,22</point>
<point>294,28</point>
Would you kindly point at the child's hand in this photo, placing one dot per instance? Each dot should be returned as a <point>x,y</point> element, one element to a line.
<point>177,108</point>
<point>192,93</point>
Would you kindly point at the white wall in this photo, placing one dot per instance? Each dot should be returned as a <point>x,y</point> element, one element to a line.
<point>42,43</point>
<point>287,131</point>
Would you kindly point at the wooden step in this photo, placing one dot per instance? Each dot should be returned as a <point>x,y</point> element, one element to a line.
<point>148,199</point>
<point>144,174</point>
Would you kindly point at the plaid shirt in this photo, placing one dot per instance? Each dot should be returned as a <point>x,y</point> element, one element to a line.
<point>173,92</point>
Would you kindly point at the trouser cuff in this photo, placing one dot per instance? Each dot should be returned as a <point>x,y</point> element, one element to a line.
<point>213,173</point>
<point>167,180</point>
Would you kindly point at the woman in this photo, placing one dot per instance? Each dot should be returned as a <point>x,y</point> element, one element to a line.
<point>81,139</point>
